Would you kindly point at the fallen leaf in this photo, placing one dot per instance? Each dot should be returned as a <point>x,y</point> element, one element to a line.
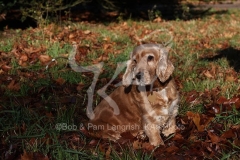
<point>6,68</point>
<point>196,120</point>
<point>49,114</point>
<point>157,20</point>
<point>106,149</point>
<point>192,97</point>
<point>214,138</point>
<point>127,135</point>
<point>44,59</point>
<point>235,101</point>
<point>86,32</point>
<point>138,144</point>
<point>236,142</point>
<point>108,152</point>
<point>81,54</point>
<point>106,46</point>
<point>177,137</point>
<point>208,74</point>
<point>172,149</point>
<point>230,78</point>
<point>228,134</point>
<point>80,86</point>
<point>24,57</point>
<point>26,156</point>
<point>71,36</point>
<point>14,86</point>
<point>60,81</point>
<point>31,50</point>
<point>40,156</point>
<point>222,100</point>
<point>93,141</point>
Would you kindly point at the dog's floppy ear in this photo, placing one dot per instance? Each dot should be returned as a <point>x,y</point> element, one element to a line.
<point>128,75</point>
<point>164,67</point>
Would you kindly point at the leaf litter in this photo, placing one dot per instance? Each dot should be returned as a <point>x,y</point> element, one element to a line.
<point>199,135</point>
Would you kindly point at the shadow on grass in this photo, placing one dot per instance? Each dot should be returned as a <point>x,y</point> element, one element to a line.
<point>231,54</point>
<point>143,10</point>
<point>124,10</point>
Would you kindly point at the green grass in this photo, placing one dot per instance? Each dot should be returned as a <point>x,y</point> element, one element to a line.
<point>25,117</point>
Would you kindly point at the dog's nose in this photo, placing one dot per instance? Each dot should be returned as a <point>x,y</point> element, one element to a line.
<point>139,75</point>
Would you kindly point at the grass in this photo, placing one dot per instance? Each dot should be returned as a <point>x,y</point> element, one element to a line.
<point>29,115</point>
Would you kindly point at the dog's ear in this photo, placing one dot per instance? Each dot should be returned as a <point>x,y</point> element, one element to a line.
<point>128,75</point>
<point>164,67</point>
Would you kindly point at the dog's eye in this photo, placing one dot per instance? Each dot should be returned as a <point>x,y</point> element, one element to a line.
<point>150,58</point>
<point>135,61</point>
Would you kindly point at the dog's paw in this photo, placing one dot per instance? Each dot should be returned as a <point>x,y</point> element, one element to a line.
<point>169,130</point>
<point>156,142</point>
<point>141,135</point>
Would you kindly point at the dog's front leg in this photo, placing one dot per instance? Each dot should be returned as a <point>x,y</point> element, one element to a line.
<point>153,132</point>
<point>150,126</point>
<point>170,127</point>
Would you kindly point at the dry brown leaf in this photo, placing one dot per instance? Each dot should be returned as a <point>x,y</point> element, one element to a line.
<point>157,20</point>
<point>24,57</point>
<point>236,142</point>
<point>148,146</point>
<point>93,141</point>
<point>237,103</point>
<point>44,59</point>
<point>86,32</point>
<point>230,78</point>
<point>107,39</point>
<point>208,74</point>
<point>214,138</point>
<point>6,68</point>
<point>106,46</point>
<point>221,100</point>
<point>80,86</point>
<point>82,52</point>
<point>40,156</point>
<point>196,120</point>
<point>137,144</point>
<point>26,156</point>
<point>32,50</point>
<point>142,145</point>
<point>15,52</point>
<point>172,149</point>
<point>14,86</point>
<point>49,114</point>
<point>106,149</point>
<point>100,59</point>
<point>108,152</point>
<point>228,134</point>
<point>60,81</point>
<point>71,36</point>
<point>177,137</point>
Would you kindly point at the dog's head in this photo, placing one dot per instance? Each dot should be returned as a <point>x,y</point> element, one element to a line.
<point>147,62</point>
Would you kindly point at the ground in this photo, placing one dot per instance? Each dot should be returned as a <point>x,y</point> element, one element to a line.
<point>43,101</point>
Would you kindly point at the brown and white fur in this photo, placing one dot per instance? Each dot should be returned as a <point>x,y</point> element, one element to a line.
<point>147,101</point>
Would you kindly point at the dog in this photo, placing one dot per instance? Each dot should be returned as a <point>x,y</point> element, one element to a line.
<point>147,100</point>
